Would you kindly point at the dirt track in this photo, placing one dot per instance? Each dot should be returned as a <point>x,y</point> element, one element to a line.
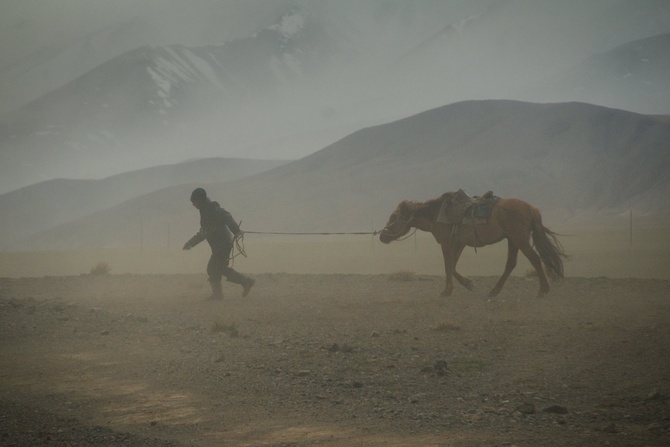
<point>333,360</point>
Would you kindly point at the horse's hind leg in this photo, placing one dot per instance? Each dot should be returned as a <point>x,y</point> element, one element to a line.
<point>535,260</point>
<point>512,255</point>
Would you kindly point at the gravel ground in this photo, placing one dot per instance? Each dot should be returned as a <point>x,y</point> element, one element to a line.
<point>333,360</point>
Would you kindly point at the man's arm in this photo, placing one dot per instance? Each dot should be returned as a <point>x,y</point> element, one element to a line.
<point>227,219</point>
<point>195,240</point>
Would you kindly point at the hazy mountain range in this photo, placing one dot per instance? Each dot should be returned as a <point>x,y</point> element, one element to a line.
<point>572,160</point>
<point>47,204</point>
<point>634,76</point>
<point>306,73</point>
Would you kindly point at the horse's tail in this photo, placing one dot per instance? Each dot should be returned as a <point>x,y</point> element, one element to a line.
<point>548,246</point>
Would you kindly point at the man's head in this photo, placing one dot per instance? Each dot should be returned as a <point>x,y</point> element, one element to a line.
<point>198,197</point>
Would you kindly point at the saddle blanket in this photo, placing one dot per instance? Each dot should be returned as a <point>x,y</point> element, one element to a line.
<point>476,212</point>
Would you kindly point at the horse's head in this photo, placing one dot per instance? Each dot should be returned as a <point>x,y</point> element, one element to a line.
<point>399,223</point>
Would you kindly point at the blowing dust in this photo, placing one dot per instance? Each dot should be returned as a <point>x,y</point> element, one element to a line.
<point>605,252</point>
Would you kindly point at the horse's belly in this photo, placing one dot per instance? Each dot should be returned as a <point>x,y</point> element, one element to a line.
<point>480,236</point>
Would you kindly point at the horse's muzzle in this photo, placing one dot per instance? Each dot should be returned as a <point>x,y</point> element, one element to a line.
<point>385,237</point>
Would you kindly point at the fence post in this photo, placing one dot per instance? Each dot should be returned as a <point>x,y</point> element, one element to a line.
<point>630,231</point>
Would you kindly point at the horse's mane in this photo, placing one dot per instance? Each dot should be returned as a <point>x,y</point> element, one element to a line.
<point>429,208</point>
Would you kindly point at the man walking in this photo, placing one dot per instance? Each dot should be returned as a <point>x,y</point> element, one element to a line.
<point>217,226</point>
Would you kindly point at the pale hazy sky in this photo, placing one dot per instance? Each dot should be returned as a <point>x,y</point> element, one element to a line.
<point>27,25</point>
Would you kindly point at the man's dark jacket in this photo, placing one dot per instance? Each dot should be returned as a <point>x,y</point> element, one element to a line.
<point>216,225</point>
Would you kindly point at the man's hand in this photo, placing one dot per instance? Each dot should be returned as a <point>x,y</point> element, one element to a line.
<point>239,235</point>
<point>187,246</point>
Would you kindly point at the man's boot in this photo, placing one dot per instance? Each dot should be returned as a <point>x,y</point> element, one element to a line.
<point>247,284</point>
<point>217,291</point>
<point>237,278</point>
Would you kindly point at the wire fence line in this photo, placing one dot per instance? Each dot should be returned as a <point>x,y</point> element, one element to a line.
<point>319,233</point>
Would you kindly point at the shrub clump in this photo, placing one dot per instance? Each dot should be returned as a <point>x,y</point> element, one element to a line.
<point>101,268</point>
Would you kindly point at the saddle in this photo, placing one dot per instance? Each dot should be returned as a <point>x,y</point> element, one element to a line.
<point>459,208</point>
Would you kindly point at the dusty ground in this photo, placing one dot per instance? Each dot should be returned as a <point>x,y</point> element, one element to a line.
<point>333,360</point>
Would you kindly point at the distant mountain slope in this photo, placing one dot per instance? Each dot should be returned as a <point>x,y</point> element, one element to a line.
<point>635,76</point>
<point>54,202</point>
<point>171,101</point>
<point>56,64</point>
<point>568,159</point>
<point>511,48</point>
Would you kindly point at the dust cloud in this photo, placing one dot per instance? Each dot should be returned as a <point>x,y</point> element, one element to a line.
<point>593,253</point>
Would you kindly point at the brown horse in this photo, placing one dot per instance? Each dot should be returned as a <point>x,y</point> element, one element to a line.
<point>511,219</point>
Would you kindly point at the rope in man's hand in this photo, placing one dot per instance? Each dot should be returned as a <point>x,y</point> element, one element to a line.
<point>238,246</point>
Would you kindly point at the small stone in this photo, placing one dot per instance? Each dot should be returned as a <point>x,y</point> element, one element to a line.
<point>655,427</point>
<point>304,373</point>
<point>610,428</point>
<point>104,332</point>
<point>476,417</point>
<point>526,408</point>
<point>374,334</point>
<point>556,409</point>
<point>440,365</point>
<point>654,395</point>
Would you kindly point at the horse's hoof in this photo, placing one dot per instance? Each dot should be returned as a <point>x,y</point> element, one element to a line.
<point>444,294</point>
<point>469,286</point>
<point>492,293</point>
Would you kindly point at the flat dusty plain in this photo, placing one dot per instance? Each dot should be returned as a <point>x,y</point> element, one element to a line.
<point>342,342</point>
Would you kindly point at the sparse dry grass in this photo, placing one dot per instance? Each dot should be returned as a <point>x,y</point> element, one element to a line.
<point>530,273</point>
<point>446,326</point>
<point>402,275</point>
<point>226,328</point>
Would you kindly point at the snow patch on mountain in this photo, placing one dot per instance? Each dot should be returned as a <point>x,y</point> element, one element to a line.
<point>203,67</point>
<point>290,25</point>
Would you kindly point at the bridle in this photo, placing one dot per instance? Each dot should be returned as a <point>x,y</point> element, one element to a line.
<point>397,236</point>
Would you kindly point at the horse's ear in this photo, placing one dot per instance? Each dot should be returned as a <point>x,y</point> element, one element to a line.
<point>403,207</point>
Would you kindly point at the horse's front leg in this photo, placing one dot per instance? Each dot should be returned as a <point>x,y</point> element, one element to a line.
<point>448,255</point>
<point>465,282</point>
